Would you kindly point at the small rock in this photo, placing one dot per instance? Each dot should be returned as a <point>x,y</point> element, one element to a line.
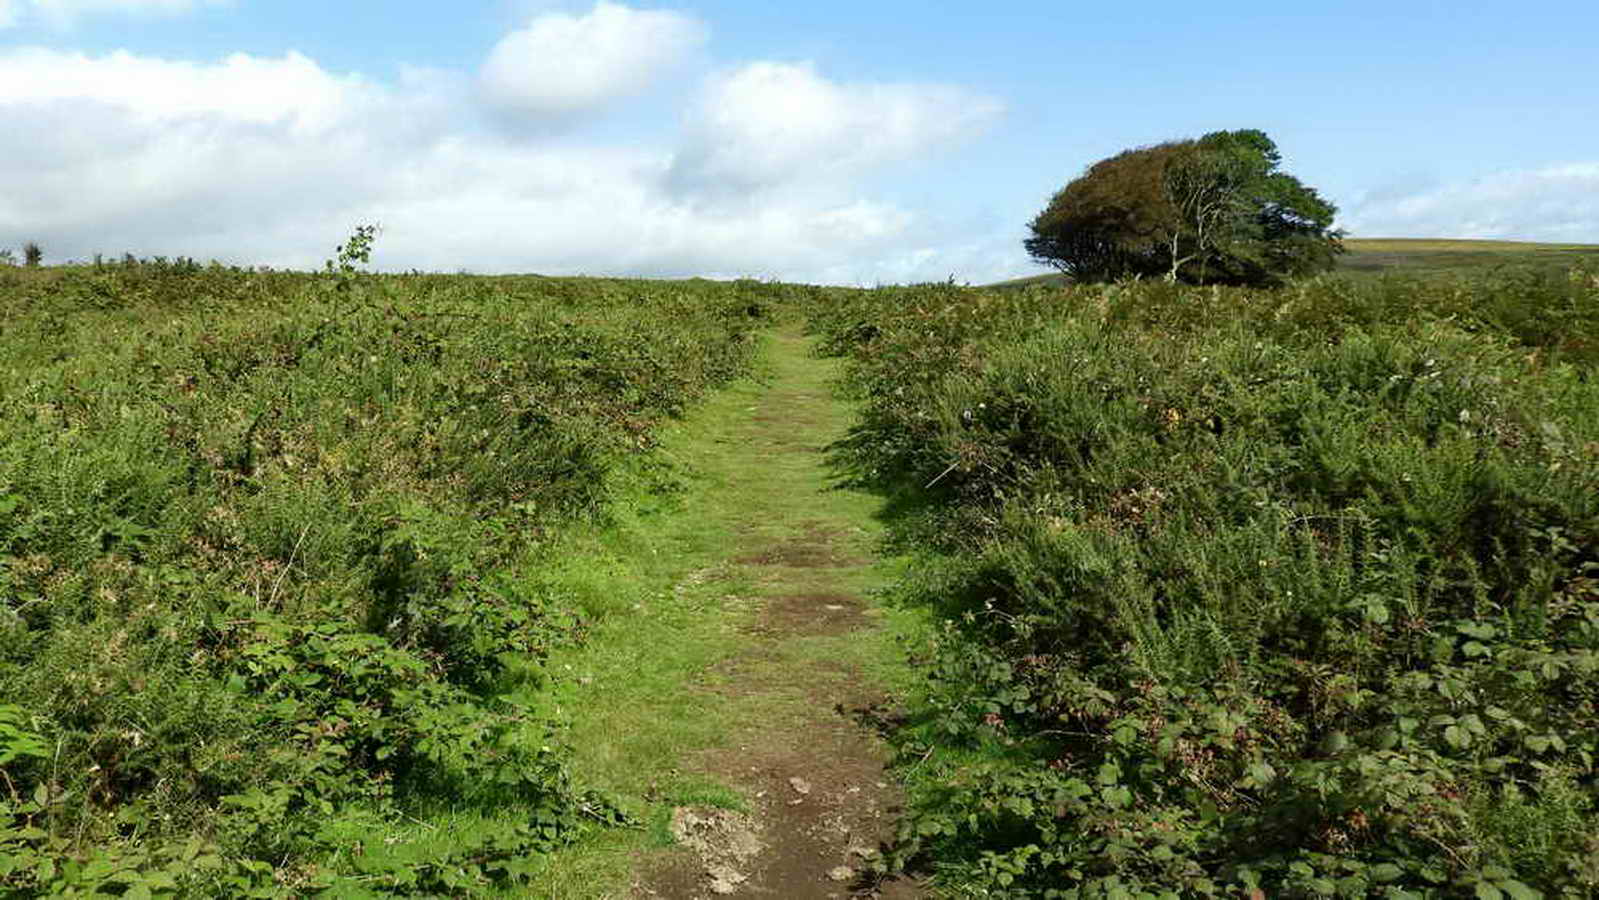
<point>835,607</point>
<point>725,880</point>
<point>862,852</point>
<point>800,785</point>
<point>842,873</point>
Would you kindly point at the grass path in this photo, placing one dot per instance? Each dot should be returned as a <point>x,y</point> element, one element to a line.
<point>736,655</point>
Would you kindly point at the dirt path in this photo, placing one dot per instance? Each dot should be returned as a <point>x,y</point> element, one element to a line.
<point>792,691</point>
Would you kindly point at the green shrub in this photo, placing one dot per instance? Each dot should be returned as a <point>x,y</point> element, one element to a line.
<point>1288,591</point>
<point>270,546</point>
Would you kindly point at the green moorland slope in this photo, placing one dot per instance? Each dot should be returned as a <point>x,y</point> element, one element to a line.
<point>1288,593</point>
<point>1428,256</point>
<point>1425,255</point>
<point>1233,592</point>
<point>274,564</point>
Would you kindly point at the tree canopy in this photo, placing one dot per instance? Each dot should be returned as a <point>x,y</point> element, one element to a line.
<point>1212,210</point>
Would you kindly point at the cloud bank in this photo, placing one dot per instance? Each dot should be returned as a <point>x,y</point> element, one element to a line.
<point>292,91</point>
<point>272,160</point>
<point>1556,204</point>
<point>560,64</point>
<point>766,123</point>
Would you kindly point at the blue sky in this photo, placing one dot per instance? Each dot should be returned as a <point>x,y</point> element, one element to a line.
<point>824,141</point>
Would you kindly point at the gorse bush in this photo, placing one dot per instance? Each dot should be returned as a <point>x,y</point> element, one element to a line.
<point>1272,593</point>
<point>270,563</point>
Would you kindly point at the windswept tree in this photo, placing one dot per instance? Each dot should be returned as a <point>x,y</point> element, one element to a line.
<point>1212,210</point>
<point>32,255</point>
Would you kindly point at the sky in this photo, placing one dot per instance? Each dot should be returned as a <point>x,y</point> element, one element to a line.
<point>838,142</point>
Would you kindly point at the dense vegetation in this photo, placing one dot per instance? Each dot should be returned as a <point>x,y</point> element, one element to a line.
<point>271,607</point>
<point>1287,593</point>
<point>1239,592</point>
<point>1216,210</point>
<point>1449,259</point>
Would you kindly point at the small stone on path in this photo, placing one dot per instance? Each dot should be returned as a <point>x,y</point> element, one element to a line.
<point>725,880</point>
<point>842,873</point>
<point>800,785</point>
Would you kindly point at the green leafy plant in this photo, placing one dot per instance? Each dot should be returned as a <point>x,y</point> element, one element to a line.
<point>271,548</point>
<point>1280,593</point>
<point>17,742</point>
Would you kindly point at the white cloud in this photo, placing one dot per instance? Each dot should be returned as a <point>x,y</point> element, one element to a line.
<point>561,64</point>
<point>768,123</point>
<point>273,160</point>
<point>604,212</point>
<point>1558,203</point>
<point>291,90</point>
<point>61,13</point>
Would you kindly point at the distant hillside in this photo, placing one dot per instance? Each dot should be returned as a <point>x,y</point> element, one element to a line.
<point>1373,255</point>
<point>1381,254</point>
